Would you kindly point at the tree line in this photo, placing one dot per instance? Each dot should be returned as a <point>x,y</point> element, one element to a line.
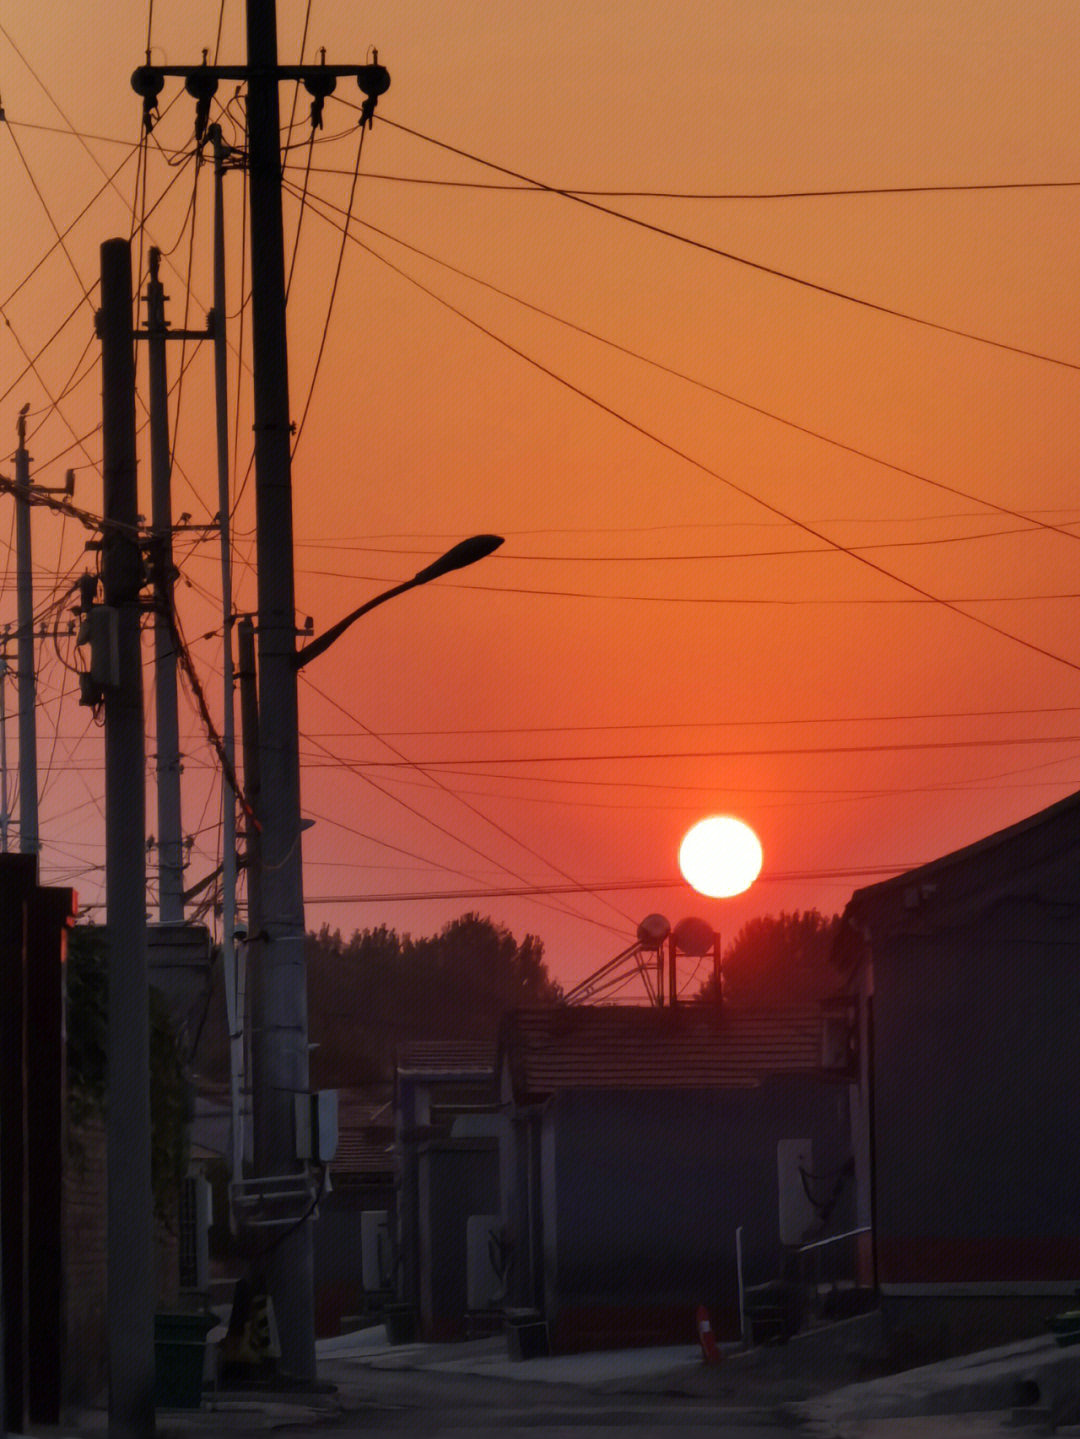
<point>378,989</point>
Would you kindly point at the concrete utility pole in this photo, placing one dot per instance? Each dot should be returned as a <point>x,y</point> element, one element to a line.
<point>170,839</point>
<point>5,817</point>
<point>29,841</point>
<point>234,971</point>
<point>131,1269</point>
<point>249,731</point>
<point>283,964</point>
<point>282,971</point>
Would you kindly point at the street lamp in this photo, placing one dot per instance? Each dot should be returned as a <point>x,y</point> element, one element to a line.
<point>467,552</point>
<point>280,1032</point>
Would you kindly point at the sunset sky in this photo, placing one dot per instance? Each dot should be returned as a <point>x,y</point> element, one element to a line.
<point>775,405</point>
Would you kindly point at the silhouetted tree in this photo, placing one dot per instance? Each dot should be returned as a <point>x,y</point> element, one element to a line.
<point>87,1024</point>
<point>779,959</point>
<point>378,989</point>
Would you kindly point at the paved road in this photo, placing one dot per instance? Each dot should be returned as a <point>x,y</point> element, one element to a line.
<point>428,1405</point>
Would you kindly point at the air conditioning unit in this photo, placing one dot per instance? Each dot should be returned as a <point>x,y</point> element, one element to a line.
<point>316,1125</point>
<point>794,1165</point>
<point>485,1271</point>
<point>195,1217</point>
<point>376,1252</point>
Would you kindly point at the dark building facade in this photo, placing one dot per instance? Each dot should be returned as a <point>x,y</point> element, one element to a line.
<point>33,1142</point>
<point>966,1128</point>
<point>642,1140</point>
<point>450,1152</point>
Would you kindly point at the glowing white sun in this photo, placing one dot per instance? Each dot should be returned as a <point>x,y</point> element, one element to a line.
<point>720,856</point>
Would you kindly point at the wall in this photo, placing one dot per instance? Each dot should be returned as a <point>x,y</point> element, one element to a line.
<point>977,1122</point>
<point>457,1178</point>
<point>85,1273</point>
<point>339,1272</point>
<point>83,1245</point>
<point>531,1249</point>
<point>649,1190</point>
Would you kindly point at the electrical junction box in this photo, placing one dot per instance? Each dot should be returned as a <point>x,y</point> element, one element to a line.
<point>317,1125</point>
<point>100,629</point>
<point>794,1164</point>
<point>485,1269</point>
<point>376,1253</point>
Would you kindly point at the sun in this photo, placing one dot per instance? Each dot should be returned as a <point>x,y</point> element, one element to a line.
<point>720,856</point>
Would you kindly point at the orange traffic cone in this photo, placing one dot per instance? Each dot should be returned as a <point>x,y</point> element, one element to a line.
<point>707,1337</point>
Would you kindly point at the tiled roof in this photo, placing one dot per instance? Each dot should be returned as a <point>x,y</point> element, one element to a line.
<point>450,1057</point>
<point>358,1153</point>
<point>609,1047</point>
<point>365,1133</point>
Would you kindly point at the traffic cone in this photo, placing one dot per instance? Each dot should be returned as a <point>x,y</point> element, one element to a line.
<point>708,1339</point>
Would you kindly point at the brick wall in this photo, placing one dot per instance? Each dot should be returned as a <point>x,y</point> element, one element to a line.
<point>85,1272</point>
<point>85,1242</point>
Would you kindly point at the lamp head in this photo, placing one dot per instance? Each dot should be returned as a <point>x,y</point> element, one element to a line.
<point>466,552</point>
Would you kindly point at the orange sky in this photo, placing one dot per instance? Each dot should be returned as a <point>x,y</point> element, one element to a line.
<point>656,479</point>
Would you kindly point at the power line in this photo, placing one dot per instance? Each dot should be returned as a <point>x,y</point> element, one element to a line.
<point>333,292</point>
<point>608,886</point>
<point>700,384</point>
<point>725,723</point>
<point>757,265</point>
<point>459,839</point>
<point>852,552</point>
<point>529,187</point>
<point>899,747</point>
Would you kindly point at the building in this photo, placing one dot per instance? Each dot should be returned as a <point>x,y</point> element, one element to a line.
<point>40,1190</point>
<point>966,1127</point>
<point>642,1141</point>
<point>361,1181</point>
<point>451,1142</point>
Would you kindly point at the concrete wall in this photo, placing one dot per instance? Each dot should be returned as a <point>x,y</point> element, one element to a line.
<point>339,1274</point>
<point>456,1178</point>
<point>649,1188</point>
<point>977,1122</point>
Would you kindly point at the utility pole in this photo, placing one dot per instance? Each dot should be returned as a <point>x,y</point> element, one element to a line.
<point>282,968</point>
<point>249,734</point>
<point>170,841</point>
<point>131,1268</point>
<point>28,797</point>
<point>5,817</point>
<point>234,976</point>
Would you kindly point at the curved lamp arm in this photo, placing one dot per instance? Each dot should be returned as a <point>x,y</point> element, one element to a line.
<point>467,552</point>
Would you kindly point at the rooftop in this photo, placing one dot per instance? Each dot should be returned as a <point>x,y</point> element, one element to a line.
<point>688,1047</point>
<point>1037,859</point>
<point>447,1058</point>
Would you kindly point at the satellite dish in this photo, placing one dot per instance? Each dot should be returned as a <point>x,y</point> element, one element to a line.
<point>694,936</point>
<point>652,931</point>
